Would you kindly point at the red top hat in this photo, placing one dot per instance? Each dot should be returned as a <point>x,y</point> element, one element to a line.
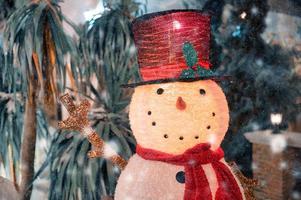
<point>173,46</point>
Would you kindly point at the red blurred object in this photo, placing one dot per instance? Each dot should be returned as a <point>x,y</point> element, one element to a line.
<point>159,38</point>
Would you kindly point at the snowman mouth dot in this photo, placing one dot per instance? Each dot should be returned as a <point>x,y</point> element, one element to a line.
<point>196,137</point>
<point>208,127</point>
<point>154,123</point>
<point>213,114</point>
<point>165,136</point>
<point>181,138</point>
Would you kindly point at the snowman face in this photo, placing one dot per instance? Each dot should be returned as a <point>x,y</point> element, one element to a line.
<point>173,117</point>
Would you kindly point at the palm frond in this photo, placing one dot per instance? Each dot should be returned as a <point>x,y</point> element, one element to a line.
<point>35,48</point>
<point>23,37</point>
<point>108,60</point>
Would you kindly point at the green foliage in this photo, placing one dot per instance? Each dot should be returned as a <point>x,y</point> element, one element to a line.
<point>107,60</point>
<point>204,72</point>
<point>268,83</point>
<point>128,7</point>
<point>109,44</point>
<point>10,107</point>
<point>191,58</point>
<point>7,6</point>
<point>187,73</point>
<point>23,36</point>
<point>11,123</point>
<point>11,113</point>
<point>264,80</point>
<point>263,77</point>
<point>190,54</point>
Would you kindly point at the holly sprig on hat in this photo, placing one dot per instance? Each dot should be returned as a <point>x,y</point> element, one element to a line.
<point>191,58</point>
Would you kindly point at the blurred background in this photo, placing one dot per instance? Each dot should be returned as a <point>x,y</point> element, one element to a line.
<point>85,48</point>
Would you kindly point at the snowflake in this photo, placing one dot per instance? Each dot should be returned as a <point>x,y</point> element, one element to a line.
<point>11,106</point>
<point>110,149</point>
<point>296,174</point>
<point>212,139</point>
<point>129,178</point>
<point>268,20</point>
<point>255,126</point>
<point>278,143</point>
<point>263,183</point>
<point>254,10</point>
<point>116,169</point>
<point>283,165</point>
<point>259,62</point>
<point>254,166</point>
<point>94,13</point>
<point>191,162</point>
<point>296,195</point>
<point>132,50</point>
<point>88,171</point>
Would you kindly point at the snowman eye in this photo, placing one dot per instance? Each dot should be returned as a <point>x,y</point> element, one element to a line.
<point>160,91</point>
<point>202,92</point>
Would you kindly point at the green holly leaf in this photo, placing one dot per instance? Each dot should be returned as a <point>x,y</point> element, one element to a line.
<point>202,72</point>
<point>190,54</point>
<point>188,73</point>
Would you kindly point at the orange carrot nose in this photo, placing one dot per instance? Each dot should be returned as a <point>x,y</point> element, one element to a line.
<point>181,105</point>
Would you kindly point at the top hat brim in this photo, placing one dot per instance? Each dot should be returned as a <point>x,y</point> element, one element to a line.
<point>217,78</point>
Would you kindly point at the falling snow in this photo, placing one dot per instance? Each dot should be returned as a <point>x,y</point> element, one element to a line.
<point>278,143</point>
<point>254,166</point>
<point>254,10</point>
<point>283,165</point>
<point>129,178</point>
<point>296,195</point>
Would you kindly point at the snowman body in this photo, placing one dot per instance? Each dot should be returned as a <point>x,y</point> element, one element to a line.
<point>149,180</point>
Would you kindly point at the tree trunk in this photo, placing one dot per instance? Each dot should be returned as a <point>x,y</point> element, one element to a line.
<point>50,90</point>
<point>29,142</point>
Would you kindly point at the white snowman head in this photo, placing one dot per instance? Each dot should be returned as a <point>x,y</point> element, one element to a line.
<point>173,117</point>
<point>178,104</point>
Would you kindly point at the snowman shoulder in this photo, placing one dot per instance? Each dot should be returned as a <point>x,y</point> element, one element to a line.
<point>135,164</point>
<point>134,161</point>
<point>133,179</point>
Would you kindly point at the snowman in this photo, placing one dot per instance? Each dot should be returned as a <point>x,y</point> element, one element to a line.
<point>178,114</point>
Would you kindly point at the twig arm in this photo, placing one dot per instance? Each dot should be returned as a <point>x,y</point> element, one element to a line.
<point>78,120</point>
